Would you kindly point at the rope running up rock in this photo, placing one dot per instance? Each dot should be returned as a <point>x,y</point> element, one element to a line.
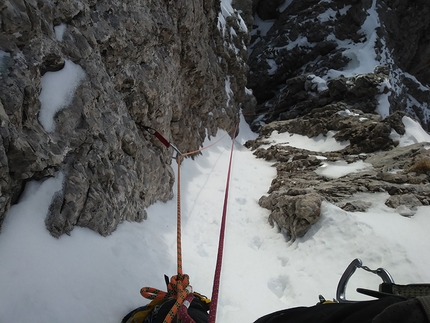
<point>179,288</point>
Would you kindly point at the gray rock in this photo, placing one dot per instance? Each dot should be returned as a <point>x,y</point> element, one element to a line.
<point>399,171</point>
<point>288,66</point>
<point>158,64</point>
<point>356,206</point>
<point>293,214</point>
<point>406,211</point>
<point>407,200</point>
<point>285,93</point>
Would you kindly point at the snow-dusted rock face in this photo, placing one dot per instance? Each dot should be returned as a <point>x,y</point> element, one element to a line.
<point>325,69</point>
<point>79,79</point>
<point>346,70</point>
<point>367,157</point>
<point>338,42</point>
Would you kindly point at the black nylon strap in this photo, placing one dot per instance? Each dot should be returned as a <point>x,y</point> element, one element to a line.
<point>425,302</point>
<point>410,290</point>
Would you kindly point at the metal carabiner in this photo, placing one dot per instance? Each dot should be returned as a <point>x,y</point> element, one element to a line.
<point>350,270</point>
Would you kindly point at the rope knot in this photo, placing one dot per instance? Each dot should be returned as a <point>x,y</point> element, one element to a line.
<point>179,288</point>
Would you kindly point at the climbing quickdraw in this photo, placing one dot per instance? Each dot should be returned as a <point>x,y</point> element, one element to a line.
<point>163,140</point>
<point>350,270</point>
<point>184,296</point>
<point>386,288</point>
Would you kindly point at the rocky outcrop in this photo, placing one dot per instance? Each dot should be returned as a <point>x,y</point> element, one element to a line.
<point>339,42</point>
<point>178,67</point>
<point>294,213</point>
<point>340,68</point>
<point>295,195</point>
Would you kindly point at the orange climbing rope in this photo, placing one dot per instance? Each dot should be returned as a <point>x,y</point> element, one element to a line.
<point>206,147</point>
<point>179,287</point>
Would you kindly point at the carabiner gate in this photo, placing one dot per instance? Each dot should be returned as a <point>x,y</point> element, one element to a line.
<point>350,270</point>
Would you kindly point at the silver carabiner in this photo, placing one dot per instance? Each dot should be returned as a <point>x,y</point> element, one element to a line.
<point>350,270</point>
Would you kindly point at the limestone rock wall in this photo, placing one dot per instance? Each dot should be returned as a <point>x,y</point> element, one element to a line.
<point>176,66</point>
<point>353,68</point>
<point>338,38</point>
<point>399,174</point>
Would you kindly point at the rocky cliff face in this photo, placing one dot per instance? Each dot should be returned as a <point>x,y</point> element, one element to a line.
<point>400,174</point>
<point>349,68</point>
<point>339,39</point>
<point>176,66</point>
<point>79,81</point>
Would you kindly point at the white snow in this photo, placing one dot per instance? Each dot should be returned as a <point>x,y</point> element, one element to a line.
<point>228,90</point>
<point>383,109</point>
<point>226,11</point>
<point>321,143</point>
<point>299,42</point>
<point>263,26</point>
<point>85,277</point>
<point>414,133</point>
<point>328,15</point>
<point>341,168</point>
<point>344,10</point>
<point>361,54</point>
<point>58,90</point>
<point>273,67</point>
<point>347,113</point>
<point>2,55</point>
<point>420,85</point>
<point>285,5</point>
<point>320,82</point>
<point>59,31</point>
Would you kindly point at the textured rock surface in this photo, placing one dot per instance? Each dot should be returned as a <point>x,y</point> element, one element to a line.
<point>293,213</point>
<point>163,64</point>
<point>350,67</point>
<point>171,64</point>
<point>324,39</point>
<point>402,174</point>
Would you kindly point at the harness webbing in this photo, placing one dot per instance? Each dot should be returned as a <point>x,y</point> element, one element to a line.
<point>179,287</point>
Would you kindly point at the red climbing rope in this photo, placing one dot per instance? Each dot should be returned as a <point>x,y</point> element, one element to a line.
<point>179,287</point>
<point>217,276</point>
